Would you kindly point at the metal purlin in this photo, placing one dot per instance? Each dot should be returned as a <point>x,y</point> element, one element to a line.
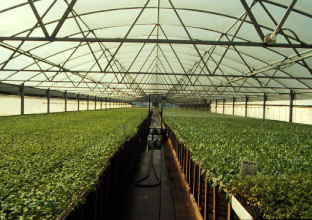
<point>182,83</point>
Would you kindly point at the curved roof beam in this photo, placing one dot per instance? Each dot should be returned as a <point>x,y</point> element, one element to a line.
<point>185,9</point>
<point>99,50</point>
<point>224,65</point>
<point>127,25</point>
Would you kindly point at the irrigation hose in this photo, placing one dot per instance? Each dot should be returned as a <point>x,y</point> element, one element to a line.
<point>151,166</point>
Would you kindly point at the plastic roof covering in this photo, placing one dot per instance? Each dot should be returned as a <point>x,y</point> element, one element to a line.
<point>184,50</point>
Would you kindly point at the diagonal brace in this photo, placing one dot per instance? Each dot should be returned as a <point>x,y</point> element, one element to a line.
<point>253,19</point>
<point>46,34</point>
<point>61,22</point>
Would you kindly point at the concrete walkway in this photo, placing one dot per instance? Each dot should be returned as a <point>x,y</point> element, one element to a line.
<point>167,201</point>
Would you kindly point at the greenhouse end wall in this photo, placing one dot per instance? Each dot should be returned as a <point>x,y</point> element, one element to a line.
<point>11,105</point>
<point>274,109</point>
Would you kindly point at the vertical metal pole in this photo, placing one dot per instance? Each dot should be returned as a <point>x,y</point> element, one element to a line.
<point>88,102</point>
<point>78,99</point>
<point>265,98</point>
<point>94,102</point>
<point>101,103</point>
<point>230,213</point>
<point>162,106</point>
<point>291,105</point>
<point>223,105</point>
<point>198,187</point>
<point>216,110</point>
<point>149,103</point>
<point>206,198</point>
<point>215,204</point>
<point>233,110</point>
<point>65,98</point>
<point>22,94</point>
<point>48,99</point>
<point>246,105</point>
<point>194,179</point>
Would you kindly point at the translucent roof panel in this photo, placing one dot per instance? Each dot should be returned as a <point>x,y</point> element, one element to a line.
<point>184,50</point>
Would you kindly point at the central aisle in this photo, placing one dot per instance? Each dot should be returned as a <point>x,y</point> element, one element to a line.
<point>167,201</point>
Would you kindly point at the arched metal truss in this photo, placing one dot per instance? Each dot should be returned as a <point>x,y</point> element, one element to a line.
<point>183,50</point>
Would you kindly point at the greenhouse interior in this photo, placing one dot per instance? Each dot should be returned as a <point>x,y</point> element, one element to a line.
<point>155,109</point>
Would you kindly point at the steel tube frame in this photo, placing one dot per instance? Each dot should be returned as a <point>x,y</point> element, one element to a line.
<point>48,100</point>
<point>265,98</point>
<point>158,74</point>
<point>155,41</point>
<point>78,99</point>
<point>246,106</point>
<point>65,98</point>
<point>233,110</point>
<point>281,23</point>
<point>22,94</point>
<point>291,105</point>
<point>253,19</point>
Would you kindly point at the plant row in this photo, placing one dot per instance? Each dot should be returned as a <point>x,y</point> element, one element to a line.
<point>48,161</point>
<point>282,187</point>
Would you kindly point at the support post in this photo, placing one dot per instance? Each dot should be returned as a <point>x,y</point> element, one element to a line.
<point>48,99</point>
<point>230,212</point>
<point>215,204</point>
<point>216,110</point>
<point>246,106</point>
<point>265,98</point>
<point>206,198</point>
<point>94,102</point>
<point>101,104</point>
<point>88,102</point>
<point>149,103</point>
<point>233,110</point>
<point>78,99</point>
<point>65,98</point>
<point>223,105</point>
<point>22,94</point>
<point>291,104</point>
